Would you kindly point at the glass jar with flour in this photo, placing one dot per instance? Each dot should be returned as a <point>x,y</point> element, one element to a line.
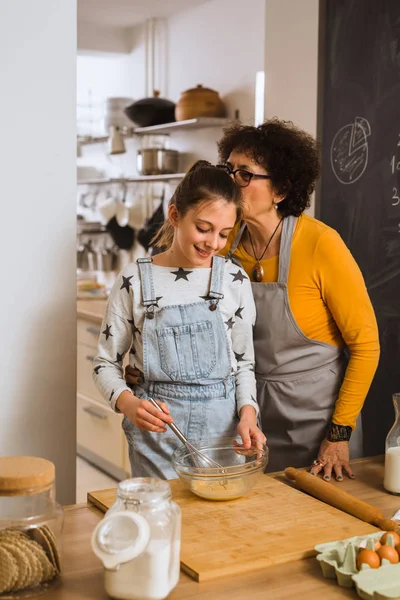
<point>391,481</point>
<point>138,541</point>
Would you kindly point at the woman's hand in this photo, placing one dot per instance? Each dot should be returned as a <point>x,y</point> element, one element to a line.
<point>133,376</point>
<point>247,428</point>
<point>332,456</point>
<point>143,414</point>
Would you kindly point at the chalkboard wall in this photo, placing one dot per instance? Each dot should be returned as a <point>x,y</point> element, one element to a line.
<point>359,193</point>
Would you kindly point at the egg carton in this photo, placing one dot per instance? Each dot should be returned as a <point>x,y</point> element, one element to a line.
<point>338,561</point>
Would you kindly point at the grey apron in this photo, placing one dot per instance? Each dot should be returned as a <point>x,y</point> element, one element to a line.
<point>298,379</point>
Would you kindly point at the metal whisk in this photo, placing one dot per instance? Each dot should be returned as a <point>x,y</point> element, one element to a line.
<point>197,456</point>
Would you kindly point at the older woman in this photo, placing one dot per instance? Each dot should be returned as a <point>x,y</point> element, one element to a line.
<point>316,338</point>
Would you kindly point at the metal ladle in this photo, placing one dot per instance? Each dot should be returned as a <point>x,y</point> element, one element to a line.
<point>196,454</point>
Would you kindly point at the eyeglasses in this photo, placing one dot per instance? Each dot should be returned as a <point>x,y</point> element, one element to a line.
<point>241,176</point>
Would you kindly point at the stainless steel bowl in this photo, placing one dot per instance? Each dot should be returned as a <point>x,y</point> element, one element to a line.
<point>156,161</point>
<point>241,469</point>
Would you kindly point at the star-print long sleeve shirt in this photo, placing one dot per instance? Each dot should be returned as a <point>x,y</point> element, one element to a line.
<point>122,326</point>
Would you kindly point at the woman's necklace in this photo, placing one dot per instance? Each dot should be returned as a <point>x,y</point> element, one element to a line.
<point>258,271</point>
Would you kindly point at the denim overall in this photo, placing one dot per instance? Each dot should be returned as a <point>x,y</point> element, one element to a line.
<point>298,378</point>
<point>186,357</point>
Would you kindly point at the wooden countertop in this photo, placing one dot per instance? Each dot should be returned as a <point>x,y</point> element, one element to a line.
<point>93,310</point>
<point>82,579</point>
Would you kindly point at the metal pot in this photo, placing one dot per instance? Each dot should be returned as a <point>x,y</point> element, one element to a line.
<point>155,161</point>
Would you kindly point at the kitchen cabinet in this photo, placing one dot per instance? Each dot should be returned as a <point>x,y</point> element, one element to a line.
<point>100,438</point>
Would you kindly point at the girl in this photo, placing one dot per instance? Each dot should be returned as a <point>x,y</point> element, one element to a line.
<point>186,318</point>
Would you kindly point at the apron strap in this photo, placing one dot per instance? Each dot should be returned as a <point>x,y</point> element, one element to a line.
<point>217,278</point>
<point>146,277</point>
<point>288,226</point>
<point>236,241</point>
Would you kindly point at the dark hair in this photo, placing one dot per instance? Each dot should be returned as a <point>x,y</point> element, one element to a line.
<point>287,153</point>
<point>203,182</point>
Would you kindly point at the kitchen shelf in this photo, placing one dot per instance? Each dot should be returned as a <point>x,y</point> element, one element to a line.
<point>138,179</point>
<point>87,140</point>
<point>190,124</point>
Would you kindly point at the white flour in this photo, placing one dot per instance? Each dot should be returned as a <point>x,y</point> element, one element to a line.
<point>151,576</point>
<point>391,481</point>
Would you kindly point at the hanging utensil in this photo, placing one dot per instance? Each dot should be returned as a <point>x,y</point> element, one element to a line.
<point>122,211</point>
<point>196,454</point>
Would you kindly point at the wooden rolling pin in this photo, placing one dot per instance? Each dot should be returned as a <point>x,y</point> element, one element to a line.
<point>340,499</point>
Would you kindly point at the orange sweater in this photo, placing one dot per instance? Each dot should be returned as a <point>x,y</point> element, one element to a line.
<point>330,303</point>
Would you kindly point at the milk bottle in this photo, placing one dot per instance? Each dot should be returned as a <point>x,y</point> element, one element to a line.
<point>391,482</point>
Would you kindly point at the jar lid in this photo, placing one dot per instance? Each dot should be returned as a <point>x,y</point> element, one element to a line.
<point>120,537</point>
<point>24,475</point>
<point>144,490</point>
<point>200,88</point>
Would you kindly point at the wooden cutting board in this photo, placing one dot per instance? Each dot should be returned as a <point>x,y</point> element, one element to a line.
<point>273,524</point>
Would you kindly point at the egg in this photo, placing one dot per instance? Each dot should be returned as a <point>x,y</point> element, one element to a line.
<point>396,537</point>
<point>368,557</point>
<point>389,553</point>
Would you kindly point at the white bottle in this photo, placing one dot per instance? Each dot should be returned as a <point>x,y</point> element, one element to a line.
<point>139,541</point>
<point>391,481</point>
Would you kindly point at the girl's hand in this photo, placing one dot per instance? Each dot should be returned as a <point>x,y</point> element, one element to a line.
<point>332,456</point>
<point>133,376</point>
<point>247,428</point>
<point>143,414</point>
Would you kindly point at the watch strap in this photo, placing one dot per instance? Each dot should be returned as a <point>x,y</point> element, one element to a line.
<point>339,433</point>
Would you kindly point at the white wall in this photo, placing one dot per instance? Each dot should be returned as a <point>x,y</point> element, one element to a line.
<point>101,75</point>
<point>219,44</point>
<point>291,63</point>
<point>37,242</point>
<point>94,37</point>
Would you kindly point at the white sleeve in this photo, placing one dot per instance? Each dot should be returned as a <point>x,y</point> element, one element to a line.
<point>243,348</point>
<point>115,340</point>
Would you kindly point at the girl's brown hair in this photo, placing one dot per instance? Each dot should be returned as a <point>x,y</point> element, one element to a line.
<point>203,182</point>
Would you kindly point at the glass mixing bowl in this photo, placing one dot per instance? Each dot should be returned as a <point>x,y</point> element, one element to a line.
<point>241,468</point>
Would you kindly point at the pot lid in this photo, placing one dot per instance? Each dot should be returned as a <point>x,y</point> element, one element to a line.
<point>154,100</point>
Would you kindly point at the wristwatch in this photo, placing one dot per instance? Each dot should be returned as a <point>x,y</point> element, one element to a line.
<point>339,433</point>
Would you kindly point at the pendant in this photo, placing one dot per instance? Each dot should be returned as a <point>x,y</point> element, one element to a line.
<point>258,273</point>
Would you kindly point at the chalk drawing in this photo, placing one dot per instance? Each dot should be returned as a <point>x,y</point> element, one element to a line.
<point>349,151</point>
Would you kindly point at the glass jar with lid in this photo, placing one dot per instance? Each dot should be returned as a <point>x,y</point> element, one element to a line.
<point>138,541</point>
<point>391,481</point>
<point>30,527</point>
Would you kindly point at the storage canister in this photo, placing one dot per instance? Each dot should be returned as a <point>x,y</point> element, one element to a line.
<point>138,541</point>
<point>30,527</point>
<point>199,102</point>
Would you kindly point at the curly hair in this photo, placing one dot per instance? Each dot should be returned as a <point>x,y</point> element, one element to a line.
<point>287,153</point>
